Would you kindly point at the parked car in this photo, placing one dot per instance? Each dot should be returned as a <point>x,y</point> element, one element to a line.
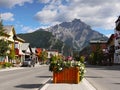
<point>27,62</point>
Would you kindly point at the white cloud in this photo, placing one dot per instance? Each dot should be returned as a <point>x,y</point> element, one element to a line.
<point>44,1</point>
<point>108,35</point>
<point>46,16</point>
<point>7,16</point>
<point>12,3</point>
<point>97,13</point>
<point>27,29</point>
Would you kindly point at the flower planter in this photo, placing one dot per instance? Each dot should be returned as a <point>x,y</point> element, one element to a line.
<point>68,75</point>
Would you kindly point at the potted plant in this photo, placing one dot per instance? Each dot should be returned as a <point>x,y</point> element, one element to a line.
<point>68,70</point>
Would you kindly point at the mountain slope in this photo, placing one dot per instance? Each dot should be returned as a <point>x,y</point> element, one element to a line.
<point>76,34</point>
<point>42,39</point>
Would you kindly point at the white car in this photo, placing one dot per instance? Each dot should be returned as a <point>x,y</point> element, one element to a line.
<point>27,62</point>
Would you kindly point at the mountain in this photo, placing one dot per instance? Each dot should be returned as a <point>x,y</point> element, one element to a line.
<point>76,33</point>
<point>44,39</point>
<point>65,37</point>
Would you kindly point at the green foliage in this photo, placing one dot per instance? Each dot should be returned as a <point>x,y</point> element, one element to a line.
<point>57,65</point>
<point>96,57</point>
<point>53,59</point>
<point>4,47</point>
<point>43,56</point>
<point>82,59</point>
<point>1,29</point>
<point>12,54</point>
<point>41,38</point>
<point>3,44</point>
<point>5,64</point>
<point>91,56</point>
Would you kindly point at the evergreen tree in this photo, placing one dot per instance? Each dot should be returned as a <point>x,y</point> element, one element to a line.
<point>3,47</point>
<point>1,28</point>
<point>3,44</point>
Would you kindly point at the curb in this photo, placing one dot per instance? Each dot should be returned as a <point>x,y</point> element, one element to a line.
<point>85,83</point>
<point>45,85</point>
<point>88,85</point>
<point>12,68</point>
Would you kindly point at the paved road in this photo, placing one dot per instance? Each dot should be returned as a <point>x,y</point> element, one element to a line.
<point>24,79</point>
<point>104,77</point>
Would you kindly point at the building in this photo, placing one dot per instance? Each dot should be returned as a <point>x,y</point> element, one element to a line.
<point>9,34</point>
<point>102,44</point>
<point>52,52</point>
<point>26,50</point>
<point>117,42</point>
<point>18,49</point>
<point>98,52</point>
<point>15,44</point>
<point>111,50</point>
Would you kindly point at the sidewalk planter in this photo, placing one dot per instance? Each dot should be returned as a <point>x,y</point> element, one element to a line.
<point>68,75</point>
<point>67,70</point>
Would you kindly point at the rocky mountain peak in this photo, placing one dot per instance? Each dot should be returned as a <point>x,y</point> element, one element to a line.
<point>76,33</point>
<point>76,21</point>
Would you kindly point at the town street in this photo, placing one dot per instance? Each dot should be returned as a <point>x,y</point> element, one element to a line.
<point>104,77</point>
<point>27,78</point>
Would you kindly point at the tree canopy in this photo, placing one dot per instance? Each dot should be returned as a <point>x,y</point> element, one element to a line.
<point>3,44</point>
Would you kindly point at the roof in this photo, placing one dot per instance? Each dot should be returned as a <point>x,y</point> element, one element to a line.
<point>25,46</point>
<point>117,19</point>
<point>98,41</point>
<point>8,29</point>
<point>33,50</point>
<point>38,50</point>
<point>111,38</point>
<point>19,39</point>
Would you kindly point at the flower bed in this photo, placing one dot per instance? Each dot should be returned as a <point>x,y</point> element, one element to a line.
<point>5,64</point>
<point>67,71</point>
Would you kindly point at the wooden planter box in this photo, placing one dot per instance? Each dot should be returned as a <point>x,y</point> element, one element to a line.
<point>68,75</point>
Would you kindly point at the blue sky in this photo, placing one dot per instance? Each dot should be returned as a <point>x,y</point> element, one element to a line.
<point>29,15</point>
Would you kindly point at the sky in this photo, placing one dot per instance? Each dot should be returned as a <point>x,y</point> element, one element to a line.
<point>29,15</point>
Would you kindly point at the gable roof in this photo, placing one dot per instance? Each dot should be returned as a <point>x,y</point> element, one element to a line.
<point>8,29</point>
<point>111,38</point>
<point>19,39</point>
<point>33,50</point>
<point>25,46</point>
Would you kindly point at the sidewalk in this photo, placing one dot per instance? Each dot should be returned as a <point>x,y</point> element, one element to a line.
<point>83,85</point>
<point>17,67</point>
<point>11,68</point>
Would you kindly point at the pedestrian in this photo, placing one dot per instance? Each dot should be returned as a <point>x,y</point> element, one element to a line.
<point>33,62</point>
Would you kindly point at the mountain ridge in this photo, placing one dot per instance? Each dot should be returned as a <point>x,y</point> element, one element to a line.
<point>74,35</point>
